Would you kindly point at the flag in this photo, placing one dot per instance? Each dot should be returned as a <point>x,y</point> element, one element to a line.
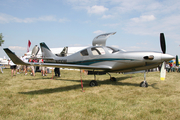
<point>29,44</point>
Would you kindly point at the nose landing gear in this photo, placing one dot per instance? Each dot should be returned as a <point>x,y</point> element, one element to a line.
<point>144,83</point>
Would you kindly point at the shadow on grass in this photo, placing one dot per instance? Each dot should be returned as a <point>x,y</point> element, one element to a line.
<point>73,87</point>
<point>85,84</point>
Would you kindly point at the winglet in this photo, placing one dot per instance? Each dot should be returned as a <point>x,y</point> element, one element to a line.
<point>14,58</point>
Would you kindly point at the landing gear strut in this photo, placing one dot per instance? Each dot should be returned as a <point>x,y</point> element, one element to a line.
<point>93,82</point>
<point>112,78</point>
<point>144,83</point>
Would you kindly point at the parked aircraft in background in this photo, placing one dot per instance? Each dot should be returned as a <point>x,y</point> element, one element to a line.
<point>66,51</point>
<point>3,61</point>
<point>102,59</point>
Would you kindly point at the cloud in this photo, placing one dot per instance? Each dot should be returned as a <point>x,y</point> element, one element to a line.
<point>107,16</point>
<point>144,18</point>
<point>169,24</point>
<point>97,9</point>
<point>63,20</point>
<point>99,32</point>
<point>4,18</point>
<point>17,48</point>
<point>112,25</point>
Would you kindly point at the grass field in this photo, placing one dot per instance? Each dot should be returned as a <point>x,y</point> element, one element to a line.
<point>42,98</point>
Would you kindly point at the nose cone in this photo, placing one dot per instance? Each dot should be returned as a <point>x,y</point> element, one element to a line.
<point>166,57</point>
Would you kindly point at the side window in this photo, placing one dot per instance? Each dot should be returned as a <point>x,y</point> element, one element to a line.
<point>84,53</point>
<point>97,51</point>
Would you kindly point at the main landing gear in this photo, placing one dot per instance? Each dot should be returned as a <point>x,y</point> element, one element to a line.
<point>144,83</point>
<point>94,82</point>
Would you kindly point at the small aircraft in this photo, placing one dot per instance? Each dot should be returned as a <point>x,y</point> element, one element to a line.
<point>102,59</point>
<point>61,51</point>
<point>3,61</point>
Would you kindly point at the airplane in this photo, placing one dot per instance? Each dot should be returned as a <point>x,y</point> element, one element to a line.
<point>3,61</point>
<point>102,59</point>
<point>66,51</point>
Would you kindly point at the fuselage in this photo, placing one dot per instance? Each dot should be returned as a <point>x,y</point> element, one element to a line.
<point>118,60</point>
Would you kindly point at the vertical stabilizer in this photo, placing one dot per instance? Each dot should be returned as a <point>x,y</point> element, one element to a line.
<point>46,52</point>
<point>35,51</point>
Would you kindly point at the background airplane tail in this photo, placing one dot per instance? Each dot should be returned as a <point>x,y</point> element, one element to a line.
<point>46,52</point>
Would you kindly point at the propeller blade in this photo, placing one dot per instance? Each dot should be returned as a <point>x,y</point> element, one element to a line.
<point>163,43</point>
<point>177,61</point>
<point>163,71</point>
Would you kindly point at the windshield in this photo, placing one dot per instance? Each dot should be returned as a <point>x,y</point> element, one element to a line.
<point>97,51</point>
<point>112,49</point>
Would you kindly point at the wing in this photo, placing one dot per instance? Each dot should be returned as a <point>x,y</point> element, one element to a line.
<point>18,61</point>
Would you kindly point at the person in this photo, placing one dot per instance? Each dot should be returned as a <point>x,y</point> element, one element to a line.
<point>57,72</point>
<point>171,66</point>
<point>167,67</point>
<point>13,67</point>
<point>32,67</point>
<point>1,69</point>
<point>35,67</point>
<point>19,66</point>
<point>41,67</point>
<point>25,59</point>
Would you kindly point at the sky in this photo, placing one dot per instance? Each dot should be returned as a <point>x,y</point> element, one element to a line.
<point>60,23</point>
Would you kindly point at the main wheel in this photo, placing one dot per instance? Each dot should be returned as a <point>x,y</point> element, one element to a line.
<point>93,83</point>
<point>113,79</point>
<point>143,84</point>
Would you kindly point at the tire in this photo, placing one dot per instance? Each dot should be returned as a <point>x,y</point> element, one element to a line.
<point>142,84</point>
<point>113,79</point>
<point>93,83</point>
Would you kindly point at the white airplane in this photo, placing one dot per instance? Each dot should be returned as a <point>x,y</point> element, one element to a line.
<point>102,59</point>
<point>3,61</point>
<point>66,51</point>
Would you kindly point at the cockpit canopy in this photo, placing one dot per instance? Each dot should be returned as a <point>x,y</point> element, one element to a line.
<point>100,50</point>
<point>100,40</point>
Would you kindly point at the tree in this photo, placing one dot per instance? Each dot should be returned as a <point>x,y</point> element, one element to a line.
<point>1,39</point>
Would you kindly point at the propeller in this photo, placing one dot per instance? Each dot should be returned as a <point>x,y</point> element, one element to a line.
<point>163,71</point>
<point>163,48</point>
<point>163,43</point>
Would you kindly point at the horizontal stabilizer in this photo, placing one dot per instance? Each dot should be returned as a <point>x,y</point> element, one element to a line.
<point>14,58</point>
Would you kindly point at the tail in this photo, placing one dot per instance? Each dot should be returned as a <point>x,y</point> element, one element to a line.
<point>46,52</point>
<point>14,58</point>
<point>63,53</point>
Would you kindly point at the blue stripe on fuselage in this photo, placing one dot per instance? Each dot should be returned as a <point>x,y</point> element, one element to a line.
<point>89,62</point>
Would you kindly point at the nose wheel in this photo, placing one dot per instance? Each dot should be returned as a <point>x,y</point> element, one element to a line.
<point>144,83</point>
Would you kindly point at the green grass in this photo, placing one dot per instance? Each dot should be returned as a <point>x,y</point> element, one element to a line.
<point>42,98</point>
